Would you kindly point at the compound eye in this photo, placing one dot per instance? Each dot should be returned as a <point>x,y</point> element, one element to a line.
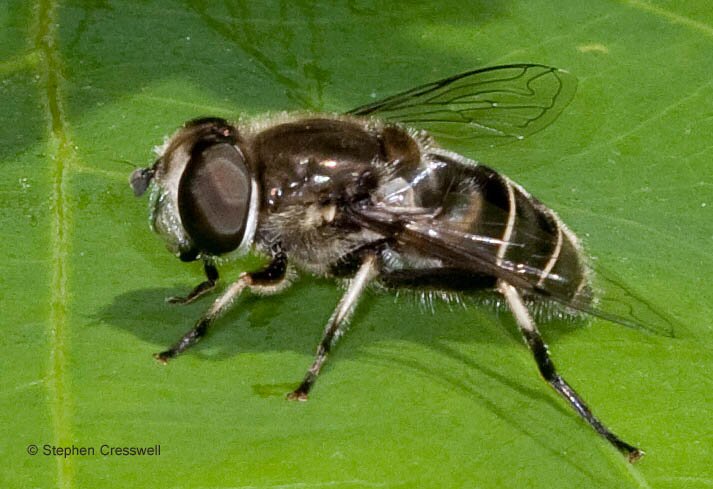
<point>214,198</point>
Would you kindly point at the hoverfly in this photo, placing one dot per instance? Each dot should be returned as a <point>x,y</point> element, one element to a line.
<point>370,196</point>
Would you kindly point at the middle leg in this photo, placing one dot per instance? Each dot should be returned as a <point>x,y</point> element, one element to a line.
<point>335,327</point>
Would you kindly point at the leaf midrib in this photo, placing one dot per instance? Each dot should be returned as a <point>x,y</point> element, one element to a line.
<point>61,153</point>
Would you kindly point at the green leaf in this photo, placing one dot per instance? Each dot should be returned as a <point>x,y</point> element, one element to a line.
<point>410,398</point>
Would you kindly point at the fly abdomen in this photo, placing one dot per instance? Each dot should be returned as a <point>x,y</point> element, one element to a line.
<point>541,241</point>
<point>520,233</point>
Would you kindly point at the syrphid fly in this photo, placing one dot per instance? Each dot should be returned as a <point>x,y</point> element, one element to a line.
<point>371,196</point>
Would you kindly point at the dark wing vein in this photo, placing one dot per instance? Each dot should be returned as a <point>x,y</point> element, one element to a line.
<point>498,103</point>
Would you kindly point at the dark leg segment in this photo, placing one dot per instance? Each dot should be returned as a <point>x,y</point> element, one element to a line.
<point>547,369</point>
<point>202,288</point>
<point>189,339</point>
<point>274,272</point>
<point>335,326</point>
<point>273,275</point>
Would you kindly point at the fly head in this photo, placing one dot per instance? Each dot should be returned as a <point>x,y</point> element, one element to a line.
<point>204,198</point>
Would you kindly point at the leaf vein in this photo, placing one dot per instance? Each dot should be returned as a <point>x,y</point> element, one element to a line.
<point>673,17</point>
<point>61,153</point>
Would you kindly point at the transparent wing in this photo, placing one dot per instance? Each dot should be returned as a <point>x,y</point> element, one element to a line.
<point>496,104</point>
<point>622,301</point>
<point>479,254</point>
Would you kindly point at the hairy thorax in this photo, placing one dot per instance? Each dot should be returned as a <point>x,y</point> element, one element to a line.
<point>311,170</point>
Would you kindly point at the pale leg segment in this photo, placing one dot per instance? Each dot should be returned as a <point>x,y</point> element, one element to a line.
<point>337,323</point>
<point>547,369</point>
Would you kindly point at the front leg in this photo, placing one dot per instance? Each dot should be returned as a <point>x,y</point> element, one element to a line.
<point>202,288</point>
<point>270,279</point>
<point>337,323</point>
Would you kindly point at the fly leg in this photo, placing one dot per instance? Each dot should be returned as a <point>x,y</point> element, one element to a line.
<point>547,369</point>
<point>337,324</point>
<point>202,288</point>
<point>269,280</point>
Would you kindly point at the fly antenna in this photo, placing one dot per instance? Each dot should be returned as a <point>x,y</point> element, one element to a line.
<point>125,162</point>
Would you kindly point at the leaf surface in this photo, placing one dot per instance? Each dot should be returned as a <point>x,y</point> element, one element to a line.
<point>410,398</point>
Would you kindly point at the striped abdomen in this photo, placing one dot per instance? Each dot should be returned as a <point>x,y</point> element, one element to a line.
<point>517,230</point>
